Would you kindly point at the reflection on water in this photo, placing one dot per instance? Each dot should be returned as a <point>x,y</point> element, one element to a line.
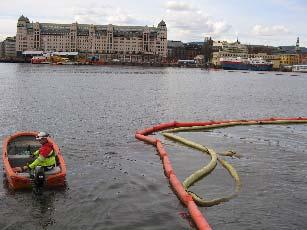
<point>26,210</point>
<point>117,182</point>
<point>42,209</point>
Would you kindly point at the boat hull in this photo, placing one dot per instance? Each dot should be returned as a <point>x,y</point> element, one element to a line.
<point>261,67</point>
<point>300,68</point>
<point>39,60</point>
<point>12,146</point>
<point>234,66</point>
<point>245,66</point>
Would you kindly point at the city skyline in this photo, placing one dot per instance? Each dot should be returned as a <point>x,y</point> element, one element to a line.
<point>271,22</point>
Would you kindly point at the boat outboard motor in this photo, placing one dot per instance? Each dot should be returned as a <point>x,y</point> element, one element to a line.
<point>38,179</point>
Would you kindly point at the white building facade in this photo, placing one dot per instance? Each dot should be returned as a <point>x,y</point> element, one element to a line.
<point>91,39</point>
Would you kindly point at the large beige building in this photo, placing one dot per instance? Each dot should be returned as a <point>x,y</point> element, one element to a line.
<point>91,39</point>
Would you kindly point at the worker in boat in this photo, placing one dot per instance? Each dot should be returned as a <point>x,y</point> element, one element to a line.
<point>44,156</point>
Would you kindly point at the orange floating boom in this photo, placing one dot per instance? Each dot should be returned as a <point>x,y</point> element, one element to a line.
<point>185,198</point>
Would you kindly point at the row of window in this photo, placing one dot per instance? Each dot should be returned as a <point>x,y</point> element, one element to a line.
<point>268,57</point>
<point>68,35</point>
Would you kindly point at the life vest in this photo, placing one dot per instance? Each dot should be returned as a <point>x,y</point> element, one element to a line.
<point>45,156</point>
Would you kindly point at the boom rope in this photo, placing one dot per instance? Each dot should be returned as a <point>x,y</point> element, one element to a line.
<point>206,170</point>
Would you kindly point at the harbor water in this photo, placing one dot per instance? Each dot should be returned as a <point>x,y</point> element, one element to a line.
<point>117,182</point>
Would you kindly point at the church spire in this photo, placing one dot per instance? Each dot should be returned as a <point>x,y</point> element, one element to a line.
<point>297,47</point>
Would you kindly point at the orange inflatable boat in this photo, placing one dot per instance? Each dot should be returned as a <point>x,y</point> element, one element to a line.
<point>16,153</point>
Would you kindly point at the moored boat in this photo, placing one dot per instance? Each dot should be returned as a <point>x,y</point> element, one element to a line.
<point>237,63</point>
<point>259,64</point>
<point>40,60</point>
<point>300,68</point>
<point>16,153</point>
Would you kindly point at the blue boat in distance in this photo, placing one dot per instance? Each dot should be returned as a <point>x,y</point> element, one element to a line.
<point>238,63</point>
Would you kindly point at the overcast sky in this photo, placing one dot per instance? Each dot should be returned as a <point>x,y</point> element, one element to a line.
<point>268,22</point>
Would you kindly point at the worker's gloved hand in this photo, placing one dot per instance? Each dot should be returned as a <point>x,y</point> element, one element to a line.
<point>20,169</point>
<point>17,169</point>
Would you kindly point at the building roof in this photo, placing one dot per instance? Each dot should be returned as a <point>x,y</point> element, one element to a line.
<point>174,44</point>
<point>34,52</point>
<point>83,29</point>
<point>162,23</point>
<point>23,18</point>
<point>10,39</point>
<point>195,43</point>
<point>288,50</point>
<point>65,53</point>
<point>51,28</point>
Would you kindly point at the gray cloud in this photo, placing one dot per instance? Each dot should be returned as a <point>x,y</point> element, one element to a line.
<point>194,25</point>
<point>178,6</point>
<point>104,14</point>
<point>295,6</point>
<point>261,30</point>
<point>7,28</point>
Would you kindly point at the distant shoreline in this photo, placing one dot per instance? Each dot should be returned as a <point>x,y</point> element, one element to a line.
<point>13,61</point>
<point>149,64</point>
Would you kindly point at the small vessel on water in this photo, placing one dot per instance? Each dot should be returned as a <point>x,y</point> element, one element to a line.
<point>300,68</point>
<point>259,64</point>
<point>16,152</point>
<point>238,63</point>
<point>40,60</point>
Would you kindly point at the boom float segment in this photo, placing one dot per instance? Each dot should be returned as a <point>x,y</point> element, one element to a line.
<point>185,197</point>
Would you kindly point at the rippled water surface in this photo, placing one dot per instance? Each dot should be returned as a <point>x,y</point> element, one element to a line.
<point>117,182</point>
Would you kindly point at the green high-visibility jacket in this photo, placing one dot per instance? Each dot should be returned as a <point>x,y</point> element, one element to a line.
<point>43,161</point>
